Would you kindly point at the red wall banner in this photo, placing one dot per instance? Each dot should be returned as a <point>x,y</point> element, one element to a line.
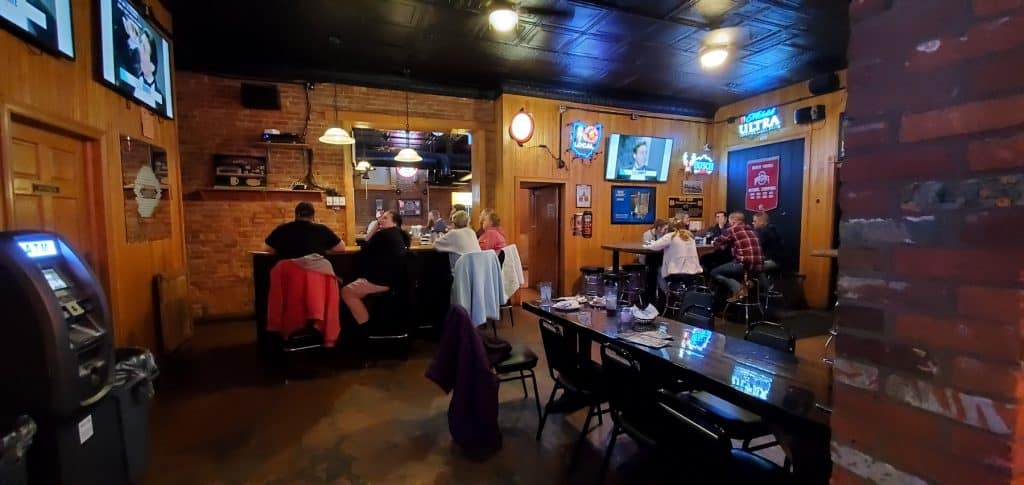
<point>762,184</point>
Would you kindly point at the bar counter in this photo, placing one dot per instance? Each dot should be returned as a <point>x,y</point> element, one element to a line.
<point>428,269</point>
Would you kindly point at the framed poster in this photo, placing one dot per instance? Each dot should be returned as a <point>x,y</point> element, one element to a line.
<point>240,171</point>
<point>583,196</point>
<point>762,184</point>
<point>693,187</point>
<point>410,207</point>
<point>678,205</point>
<point>633,204</point>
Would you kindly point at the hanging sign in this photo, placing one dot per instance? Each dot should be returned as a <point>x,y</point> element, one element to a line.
<point>693,206</point>
<point>760,122</point>
<point>762,184</point>
<point>584,139</point>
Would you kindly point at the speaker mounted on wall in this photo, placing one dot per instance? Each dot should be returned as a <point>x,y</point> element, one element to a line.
<point>823,84</point>
<point>261,96</point>
<point>809,114</point>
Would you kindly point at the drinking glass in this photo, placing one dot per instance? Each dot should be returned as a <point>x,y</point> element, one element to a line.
<point>545,292</point>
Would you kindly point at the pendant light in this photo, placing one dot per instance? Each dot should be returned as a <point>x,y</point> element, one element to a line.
<point>407,154</point>
<point>336,135</point>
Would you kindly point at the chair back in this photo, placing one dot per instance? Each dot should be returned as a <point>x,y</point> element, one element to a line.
<point>692,425</point>
<point>771,335</point>
<point>697,308</point>
<point>561,347</point>
<point>630,394</point>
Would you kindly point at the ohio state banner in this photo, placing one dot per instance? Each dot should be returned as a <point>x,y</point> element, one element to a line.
<point>762,184</point>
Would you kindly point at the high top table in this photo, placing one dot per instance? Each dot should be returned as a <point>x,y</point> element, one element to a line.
<point>789,392</point>
<point>652,259</point>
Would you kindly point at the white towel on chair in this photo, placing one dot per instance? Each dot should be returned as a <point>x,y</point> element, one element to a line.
<point>512,277</point>
<point>477,286</point>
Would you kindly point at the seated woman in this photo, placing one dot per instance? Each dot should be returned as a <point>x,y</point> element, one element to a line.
<point>380,264</point>
<point>458,241</point>
<point>492,237</point>
<point>680,253</point>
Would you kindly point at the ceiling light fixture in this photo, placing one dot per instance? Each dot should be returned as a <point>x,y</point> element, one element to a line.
<point>521,128</point>
<point>407,154</point>
<point>336,135</point>
<point>407,172</point>
<point>713,56</point>
<point>503,19</point>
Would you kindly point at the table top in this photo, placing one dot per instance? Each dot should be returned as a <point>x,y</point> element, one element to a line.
<point>774,384</point>
<point>639,248</point>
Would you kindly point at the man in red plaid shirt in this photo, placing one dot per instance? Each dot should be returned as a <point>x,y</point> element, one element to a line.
<point>746,252</point>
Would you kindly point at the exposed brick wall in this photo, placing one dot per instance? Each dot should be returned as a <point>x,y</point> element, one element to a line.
<point>211,120</point>
<point>928,379</point>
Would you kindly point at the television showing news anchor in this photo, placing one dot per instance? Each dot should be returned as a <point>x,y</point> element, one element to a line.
<point>136,56</point>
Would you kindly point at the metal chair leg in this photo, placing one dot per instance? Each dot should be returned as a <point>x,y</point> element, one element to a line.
<point>494,327</point>
<point>536,393</point>
<point>522,380</point>
<point>608,451</point>
<point>581,439</point>
<point>544,415</point>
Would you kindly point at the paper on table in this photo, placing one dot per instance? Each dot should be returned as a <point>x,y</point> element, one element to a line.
<point>646,341</point>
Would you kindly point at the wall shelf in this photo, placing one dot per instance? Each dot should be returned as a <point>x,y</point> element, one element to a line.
<point>256,194</point>
<point>293,146</point>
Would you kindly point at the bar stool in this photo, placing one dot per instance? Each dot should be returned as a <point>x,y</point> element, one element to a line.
<point>635,284</point>
<point>769,291</point>
<point>593,280</point>
<point>678,285</point>
<point>751,281</point>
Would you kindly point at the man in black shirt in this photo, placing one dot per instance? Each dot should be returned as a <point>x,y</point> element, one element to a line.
<point>771,243</point>
<point>717,257</point>
<point>302,236</point>
<point>380,264</point>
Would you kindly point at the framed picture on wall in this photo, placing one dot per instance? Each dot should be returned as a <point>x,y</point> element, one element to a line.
<point>410,207</point>
<point>583,196</point>
<point>633,204</point>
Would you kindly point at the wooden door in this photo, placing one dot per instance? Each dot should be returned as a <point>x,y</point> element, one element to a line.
<point>545,232</point>
<point>49,185</point>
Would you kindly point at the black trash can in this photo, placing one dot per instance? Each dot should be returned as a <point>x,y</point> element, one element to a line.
<point>134,372</point>
<point>13,448</point>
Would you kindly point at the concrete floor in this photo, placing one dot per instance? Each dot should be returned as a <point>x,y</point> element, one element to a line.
<point>219,418</point>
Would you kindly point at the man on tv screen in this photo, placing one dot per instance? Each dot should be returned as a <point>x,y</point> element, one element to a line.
<point>137,57</point>
<point>634,155</point>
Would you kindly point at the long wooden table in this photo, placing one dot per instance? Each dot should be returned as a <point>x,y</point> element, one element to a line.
<point>652,259</point>
<point>787,391</point>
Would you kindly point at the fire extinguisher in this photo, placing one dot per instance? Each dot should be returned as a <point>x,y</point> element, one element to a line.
<point>588,224</point>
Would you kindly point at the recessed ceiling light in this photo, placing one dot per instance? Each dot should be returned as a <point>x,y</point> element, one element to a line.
<point>503,19</point>
<point>713,57</point>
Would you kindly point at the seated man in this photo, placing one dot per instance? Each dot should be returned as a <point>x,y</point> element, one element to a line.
<point>771,243</point>
<point>435,223</point>
<point>458,241</point>
<point>717,257</point>
<point>302,236</point>
<point>742,241</point>
<point>380,264</point>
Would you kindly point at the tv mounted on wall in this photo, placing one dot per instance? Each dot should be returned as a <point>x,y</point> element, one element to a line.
<point>135,56</point>
<point>638,158</point>
<point>45,23</point>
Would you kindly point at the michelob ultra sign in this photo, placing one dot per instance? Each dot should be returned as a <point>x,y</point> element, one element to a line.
<point>760,122</point>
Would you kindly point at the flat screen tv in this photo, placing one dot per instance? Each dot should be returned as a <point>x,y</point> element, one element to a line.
<point>135,56</point>
<point>46,23</point>
<point>638,158</point>
<point>633,205</point>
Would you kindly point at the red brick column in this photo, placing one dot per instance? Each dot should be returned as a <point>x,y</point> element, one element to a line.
<point>928,379</point>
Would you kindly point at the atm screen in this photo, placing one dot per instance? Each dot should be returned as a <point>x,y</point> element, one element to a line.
<point>54,279</point>
<point>40,248</point>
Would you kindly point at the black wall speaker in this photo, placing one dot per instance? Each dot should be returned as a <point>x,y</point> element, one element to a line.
<point>809,114</point>
<point>260,96</point>
<point>823,84</point>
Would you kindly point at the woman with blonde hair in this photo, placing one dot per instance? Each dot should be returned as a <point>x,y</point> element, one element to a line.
<point>680,253</point>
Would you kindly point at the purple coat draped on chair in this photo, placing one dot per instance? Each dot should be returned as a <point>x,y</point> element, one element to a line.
<point>461,364</point>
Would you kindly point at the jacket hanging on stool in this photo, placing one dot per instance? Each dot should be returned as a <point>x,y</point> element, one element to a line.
<point>477,286</point>
<point>299,295</point>
<point>461,364</point>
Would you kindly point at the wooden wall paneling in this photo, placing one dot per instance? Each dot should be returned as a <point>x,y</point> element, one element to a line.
<point>516,164</point>
<point>65,94</point>
<point>820,148</point>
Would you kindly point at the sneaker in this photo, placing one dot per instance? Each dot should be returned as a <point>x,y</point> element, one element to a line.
<point>738,295</point>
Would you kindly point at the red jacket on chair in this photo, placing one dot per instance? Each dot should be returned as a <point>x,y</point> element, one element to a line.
<point>298,296</point>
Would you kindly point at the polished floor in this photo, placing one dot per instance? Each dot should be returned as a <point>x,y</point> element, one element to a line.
<point>220,418</point>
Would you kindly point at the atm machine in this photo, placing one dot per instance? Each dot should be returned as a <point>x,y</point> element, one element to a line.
<point>57,359</point>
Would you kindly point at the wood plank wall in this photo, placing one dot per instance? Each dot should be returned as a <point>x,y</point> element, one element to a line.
<point>821,145</point>
<point>66,93</point>
<point>517,164</point>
